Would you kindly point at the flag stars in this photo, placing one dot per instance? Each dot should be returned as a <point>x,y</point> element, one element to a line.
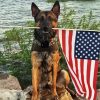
<point>83,54</point>
<point>88,37</point>
<point>94,33</point>
<point>95,45</point>
<point>96,58</point>
<point>91,57</point>
<point>81,46</point>
<point>97,53</point>
<point>87,45</point>
<point>83,37</point>
<point>83,32</point>
<point>95,50</point>
<point>93,38</point>
<point>78,32</point>
<point>89,49</point>
<point>90,45</point>
<point>96,36</point>
<point>89,33</point>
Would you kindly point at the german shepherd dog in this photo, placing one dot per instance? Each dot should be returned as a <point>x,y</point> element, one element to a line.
<point>45,52</point>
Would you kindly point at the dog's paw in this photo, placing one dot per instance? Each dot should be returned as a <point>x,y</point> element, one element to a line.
<point>56,97</point>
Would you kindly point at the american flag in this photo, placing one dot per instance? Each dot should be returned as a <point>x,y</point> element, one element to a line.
<point>81,50</point>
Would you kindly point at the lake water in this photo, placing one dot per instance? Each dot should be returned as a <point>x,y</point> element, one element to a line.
<point>17,12</point>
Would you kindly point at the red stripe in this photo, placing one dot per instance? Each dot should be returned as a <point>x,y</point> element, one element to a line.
<point>76,65</point>
<point>95,78</point>
<point>88,77</point>
<point>70,48</point>
<point>63,41</point>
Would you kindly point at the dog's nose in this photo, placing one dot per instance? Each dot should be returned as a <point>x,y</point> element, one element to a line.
<point>45,29</point>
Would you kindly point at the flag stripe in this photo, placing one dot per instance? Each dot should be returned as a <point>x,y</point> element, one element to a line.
<point>82,75</point>
<point>67,49</point>
<point>70,48</point>
<point>73,47</point>
<point>95,77</point>
<point>63,41</point>
<point>91,79</point>
<point>88,78</point>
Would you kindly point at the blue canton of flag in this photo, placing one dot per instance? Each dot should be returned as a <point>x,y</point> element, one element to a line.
<point>87,45</point>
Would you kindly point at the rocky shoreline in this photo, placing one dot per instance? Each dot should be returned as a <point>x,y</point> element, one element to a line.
<point>10,89</point>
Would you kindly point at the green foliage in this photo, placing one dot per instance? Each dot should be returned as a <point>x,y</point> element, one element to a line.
<point>85,22</point>
<point>17,59</point>
<point>16,56</point>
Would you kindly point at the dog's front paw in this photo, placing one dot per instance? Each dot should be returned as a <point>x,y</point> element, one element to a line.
<point>56,97</point>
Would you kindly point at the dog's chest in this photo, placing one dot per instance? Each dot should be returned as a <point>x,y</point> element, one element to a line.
<point>37,47</point>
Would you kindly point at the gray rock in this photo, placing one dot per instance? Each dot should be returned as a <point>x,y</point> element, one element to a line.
<point>9,82</point>
<point>6,94</point>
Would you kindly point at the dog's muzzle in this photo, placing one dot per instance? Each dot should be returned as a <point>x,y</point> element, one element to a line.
<point>44,36</point>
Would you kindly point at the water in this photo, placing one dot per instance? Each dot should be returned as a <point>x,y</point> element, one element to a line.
<point>17,12</point>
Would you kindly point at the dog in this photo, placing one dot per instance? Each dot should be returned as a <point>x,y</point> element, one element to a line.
<point>45,55</point>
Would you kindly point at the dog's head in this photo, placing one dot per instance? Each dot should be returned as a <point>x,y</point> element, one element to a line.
<point>46,20</point>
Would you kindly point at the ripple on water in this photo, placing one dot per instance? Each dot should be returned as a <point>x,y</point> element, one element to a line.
<point>18,12</point>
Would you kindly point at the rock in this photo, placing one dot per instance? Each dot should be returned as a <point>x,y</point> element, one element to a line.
<point>46,93</point>
<point>9,82</point>
<point>6,94</point>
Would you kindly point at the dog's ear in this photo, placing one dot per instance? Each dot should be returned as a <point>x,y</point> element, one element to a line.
<point>56,9</point>
<point>35,9</point>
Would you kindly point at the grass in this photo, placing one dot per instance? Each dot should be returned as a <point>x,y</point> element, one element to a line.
<point>17,59</point>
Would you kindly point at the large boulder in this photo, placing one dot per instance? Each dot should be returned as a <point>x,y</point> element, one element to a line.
<point>6,94</point>
<point>9,82</point>
<point>10,88</point>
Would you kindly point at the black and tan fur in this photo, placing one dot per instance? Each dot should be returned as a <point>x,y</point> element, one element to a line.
<point>45,52</point>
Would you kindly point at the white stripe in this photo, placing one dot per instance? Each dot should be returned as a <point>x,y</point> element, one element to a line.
<point>67,44</point>
<point>85,78</point>
<point>60,37</point>
<point>73,49</point>
<point>79,71</point>
<point>92,78</point>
